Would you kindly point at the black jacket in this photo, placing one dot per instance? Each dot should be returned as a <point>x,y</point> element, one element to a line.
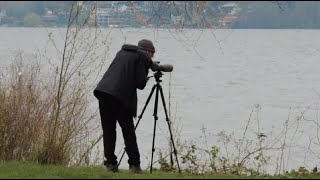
<point>127,72</point>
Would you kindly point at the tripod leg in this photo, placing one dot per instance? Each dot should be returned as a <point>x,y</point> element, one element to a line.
<point>144,108</point>
<point>140,116</point>
<point>155,122</point>
<point>168,122</point>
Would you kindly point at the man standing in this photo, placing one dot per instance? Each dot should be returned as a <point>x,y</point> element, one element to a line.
<point>117,95</point>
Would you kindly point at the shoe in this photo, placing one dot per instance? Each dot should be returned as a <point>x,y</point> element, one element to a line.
<point>112,168</point>
<point>135,169</point>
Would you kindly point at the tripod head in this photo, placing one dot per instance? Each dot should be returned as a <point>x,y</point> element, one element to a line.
<point>157,75</point>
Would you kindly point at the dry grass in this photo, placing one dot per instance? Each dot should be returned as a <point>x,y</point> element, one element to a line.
<point>30,127</point>
<point>45,114</point>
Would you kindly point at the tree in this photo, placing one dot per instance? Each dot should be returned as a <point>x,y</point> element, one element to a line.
<point>46,116</point>
<point>32,20</point>
<point>70,122</point>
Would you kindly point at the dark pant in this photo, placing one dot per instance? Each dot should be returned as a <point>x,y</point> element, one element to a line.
<point>111,111</point>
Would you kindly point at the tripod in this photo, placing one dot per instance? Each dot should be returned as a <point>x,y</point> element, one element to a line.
<point>157,86</point>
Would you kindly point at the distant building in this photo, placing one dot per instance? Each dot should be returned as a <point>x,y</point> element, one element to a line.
<point>3,14</point>
<point>229,8</point>
<point>106,17</point>
<point>12,21</point>
<point>229,11</point>
<point>49,19</point>
<point>226,21</point>
<point>177,19</point>
<point>102,16</point>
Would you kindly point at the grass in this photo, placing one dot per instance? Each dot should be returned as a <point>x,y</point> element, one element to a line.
<point>30,170</point>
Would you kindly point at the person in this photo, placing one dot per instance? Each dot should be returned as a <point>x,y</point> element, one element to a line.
<point>117,95</point>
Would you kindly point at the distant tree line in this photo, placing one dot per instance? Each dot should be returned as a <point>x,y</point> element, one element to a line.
<point>20,9</point>
<point>30,13</point>
<point>284,14</point>
<point>253,14</point>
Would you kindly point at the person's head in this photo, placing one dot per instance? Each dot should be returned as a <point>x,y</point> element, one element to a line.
<point>147,46</point>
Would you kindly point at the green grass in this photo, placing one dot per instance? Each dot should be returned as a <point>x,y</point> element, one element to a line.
<point>14,169</point>
<point>28,170</point>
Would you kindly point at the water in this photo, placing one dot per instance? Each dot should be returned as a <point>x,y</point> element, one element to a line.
<point>219,77</point>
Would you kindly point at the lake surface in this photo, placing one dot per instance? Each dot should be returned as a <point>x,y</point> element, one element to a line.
<point>219,77</point>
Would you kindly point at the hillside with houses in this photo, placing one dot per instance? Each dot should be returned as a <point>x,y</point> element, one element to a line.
<point>156,14</point>
<point>107,14</point>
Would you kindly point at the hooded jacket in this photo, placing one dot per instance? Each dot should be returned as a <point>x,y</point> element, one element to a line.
<point>127,73</point>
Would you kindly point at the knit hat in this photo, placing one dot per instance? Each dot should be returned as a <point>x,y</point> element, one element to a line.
<point>147,45</point>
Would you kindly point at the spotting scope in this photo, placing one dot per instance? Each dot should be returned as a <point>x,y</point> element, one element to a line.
<point>156,66</point>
